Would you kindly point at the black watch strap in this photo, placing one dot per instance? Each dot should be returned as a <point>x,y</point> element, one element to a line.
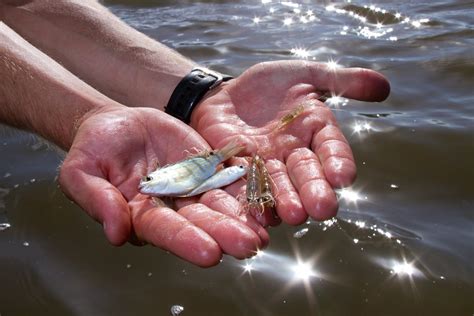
<point>190,90</point>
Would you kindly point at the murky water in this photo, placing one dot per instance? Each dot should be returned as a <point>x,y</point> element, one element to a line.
<point>403,242</point>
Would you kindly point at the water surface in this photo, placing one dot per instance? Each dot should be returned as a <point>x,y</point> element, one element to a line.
<point>403,241</point>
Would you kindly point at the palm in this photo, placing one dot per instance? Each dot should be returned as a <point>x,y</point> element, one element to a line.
<point>249,108</point>
<point>112,151</point>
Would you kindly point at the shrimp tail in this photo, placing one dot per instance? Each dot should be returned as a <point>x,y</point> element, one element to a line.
<point>230,150</point>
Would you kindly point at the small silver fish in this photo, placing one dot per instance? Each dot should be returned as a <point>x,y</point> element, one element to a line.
<point>182,177</point>
<point>221,178</point>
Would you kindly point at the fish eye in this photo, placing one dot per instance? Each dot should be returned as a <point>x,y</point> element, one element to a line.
<point>211,153</point>
<point>241,167</point>
<point>147,178</point>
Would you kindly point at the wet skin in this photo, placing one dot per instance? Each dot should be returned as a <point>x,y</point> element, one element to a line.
<point>308,158</point>
<point>103,180</point>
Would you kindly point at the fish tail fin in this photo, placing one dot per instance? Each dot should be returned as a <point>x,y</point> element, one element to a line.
<point>230,150</point>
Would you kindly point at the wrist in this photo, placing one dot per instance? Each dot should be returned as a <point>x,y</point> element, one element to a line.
<point>154,87</point>
<point>197,85</point>
<point>200,112</point>
<point>66,126</point>
<point>93,111</point>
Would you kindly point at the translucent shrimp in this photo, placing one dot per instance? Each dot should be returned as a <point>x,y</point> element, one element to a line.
<point>253,189</point>
<point>290,117</point>
<point>266,199</point>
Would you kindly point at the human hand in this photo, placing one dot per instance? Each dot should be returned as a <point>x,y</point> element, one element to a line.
<point>310,156</point>
<point>113,148</point>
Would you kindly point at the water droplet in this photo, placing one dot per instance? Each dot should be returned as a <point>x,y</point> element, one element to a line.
<point>8,174</point>
<point>356,241</point>
<point>176,310</point>
<point>300,233</point>
<point>26,244</point>
<point>128,266</point>
<point>33,180</point>
<point>149,274</point>
<point>394,186</point>
<point>4,226</point>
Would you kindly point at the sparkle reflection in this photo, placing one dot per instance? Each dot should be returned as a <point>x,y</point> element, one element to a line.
<point>333,65</point>
<point>303,271</point>
<point>403,268</point>
<point>400,268</point>
<point>300,233</point>
<point>359,127</point>
<point>416,24</point>
<point>287,21</point>
<point>300,52</point>
<point>336,101</point>
<point>349,195</point>
<point>371,29</point>
<point>292,270</point>
<point>248,267</point>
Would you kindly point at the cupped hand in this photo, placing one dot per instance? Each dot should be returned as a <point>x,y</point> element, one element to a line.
<point>310,156</point>
<point>113,148</point>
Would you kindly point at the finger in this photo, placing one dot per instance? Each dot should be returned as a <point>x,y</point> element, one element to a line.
<point>288,204</point>
<point>231,207</point>
<point>166,229</point>
<point>264,216</point>
<point>306,174</point>
<point>100,199</point>
<point>226,204</point>
<point>185,201</point>
<point>335,155</point>
<point>234,237</point>
<point>355,83</point>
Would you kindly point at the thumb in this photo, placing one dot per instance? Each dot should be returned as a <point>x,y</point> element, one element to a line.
<point>100,199</point>
<point>354,83</point>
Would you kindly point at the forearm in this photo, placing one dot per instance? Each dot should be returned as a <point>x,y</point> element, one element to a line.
<point>38,94</point>
<point>86,38</point>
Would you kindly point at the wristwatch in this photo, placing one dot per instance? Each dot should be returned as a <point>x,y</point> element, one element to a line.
<point>190,90</point>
